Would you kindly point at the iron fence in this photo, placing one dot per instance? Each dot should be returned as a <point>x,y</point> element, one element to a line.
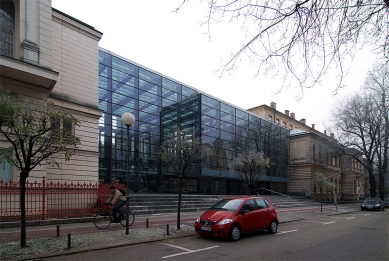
<point>53,200</point>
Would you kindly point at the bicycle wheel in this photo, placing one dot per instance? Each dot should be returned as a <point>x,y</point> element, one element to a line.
<point>102,220</point>
<point>130,221</point>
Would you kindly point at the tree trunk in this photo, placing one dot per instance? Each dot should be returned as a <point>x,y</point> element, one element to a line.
<point>23,240</point>
<point>384,169</point>
<point>249,188</point>
<point>372,181</point>
<point>179,203</point>
<point>373,186</point>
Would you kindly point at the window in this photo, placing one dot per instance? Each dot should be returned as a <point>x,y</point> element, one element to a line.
<point>67,127</point>
<point>7,27</point>
<point>250,205</point>
<point>261,203</point>
<point>6,172</point>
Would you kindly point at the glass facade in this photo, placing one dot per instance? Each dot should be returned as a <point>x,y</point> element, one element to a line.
<point>160,104</point>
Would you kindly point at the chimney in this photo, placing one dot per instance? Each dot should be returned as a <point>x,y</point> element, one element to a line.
<point>332,135</point>
<point>313,126</point>
<point>303,121</point>
<point>273,105</point>
<point>292,115</point>
<point>325,132</point>
<point>286,112</point>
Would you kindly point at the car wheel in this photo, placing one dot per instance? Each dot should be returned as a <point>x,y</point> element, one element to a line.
<point>235,233</point>
<point>273,227</point>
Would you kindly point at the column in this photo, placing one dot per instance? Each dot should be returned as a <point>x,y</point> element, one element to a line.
<point>29,48</point>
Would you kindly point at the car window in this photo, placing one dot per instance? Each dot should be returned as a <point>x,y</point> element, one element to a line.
<point>227,204</point>
<point>250,205</point>
<point>372,200</point>
<point>261,203</point>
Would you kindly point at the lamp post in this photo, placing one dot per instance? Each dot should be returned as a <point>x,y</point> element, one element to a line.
<point>128,119</point>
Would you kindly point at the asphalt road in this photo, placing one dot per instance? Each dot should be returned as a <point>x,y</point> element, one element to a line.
<point>352,236</point>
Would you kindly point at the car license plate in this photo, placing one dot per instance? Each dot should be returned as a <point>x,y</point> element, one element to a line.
<point>205,228</point>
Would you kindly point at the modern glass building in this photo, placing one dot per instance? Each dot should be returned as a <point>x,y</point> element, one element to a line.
<point>159,104</point>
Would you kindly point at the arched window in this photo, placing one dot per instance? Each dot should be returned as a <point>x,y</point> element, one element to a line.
<point>7,27</point>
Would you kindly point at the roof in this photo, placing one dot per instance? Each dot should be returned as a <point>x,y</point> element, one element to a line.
<point>297,131</point>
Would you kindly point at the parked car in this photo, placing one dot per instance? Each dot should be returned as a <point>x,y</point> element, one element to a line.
<point>386,203</point>
<point>373,204</point>
<point>232,217</point>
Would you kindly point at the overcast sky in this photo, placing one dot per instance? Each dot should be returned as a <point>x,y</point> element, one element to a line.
<point>149,33</point>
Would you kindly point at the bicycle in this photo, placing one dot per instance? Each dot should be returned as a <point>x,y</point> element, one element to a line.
<point>104,219</point>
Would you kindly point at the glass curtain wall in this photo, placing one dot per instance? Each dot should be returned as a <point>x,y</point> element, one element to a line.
<point>160,104</point>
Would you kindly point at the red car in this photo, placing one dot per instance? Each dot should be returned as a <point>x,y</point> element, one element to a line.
<point>232,217</point>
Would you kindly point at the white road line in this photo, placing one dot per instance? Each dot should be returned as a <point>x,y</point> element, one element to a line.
<point>177,247</point>
<point>188,251</point>
<point>324,223</point>
<point>284,232</point>
<point>344,217</point>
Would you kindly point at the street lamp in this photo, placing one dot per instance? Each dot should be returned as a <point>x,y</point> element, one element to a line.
<point>128,119</point>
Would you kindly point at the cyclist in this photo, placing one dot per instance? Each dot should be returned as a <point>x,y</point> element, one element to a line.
<point>118,200</point>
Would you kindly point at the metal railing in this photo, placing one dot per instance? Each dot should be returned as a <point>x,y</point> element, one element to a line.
<point>48,200</point>
<point>274,192</point>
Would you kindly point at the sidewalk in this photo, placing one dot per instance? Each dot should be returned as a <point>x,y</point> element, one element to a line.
<point>43,242</point>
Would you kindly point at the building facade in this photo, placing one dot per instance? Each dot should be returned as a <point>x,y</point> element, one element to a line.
<point>50,56</point>
<point>312,151</point>
<point>160,103</point>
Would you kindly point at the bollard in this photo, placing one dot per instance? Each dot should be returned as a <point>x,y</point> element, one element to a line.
<point>147,223</point>
<point>69,240</point>
<point>57,230</point>
<point>167,229</point>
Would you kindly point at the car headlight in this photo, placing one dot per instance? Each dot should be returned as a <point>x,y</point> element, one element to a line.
<point>363,205</point>
<point>225,221</point>
<point>198,220</point>
<point>377,205</point>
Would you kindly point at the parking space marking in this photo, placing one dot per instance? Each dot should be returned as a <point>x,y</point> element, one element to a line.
<point>344,217</point>
<point>177,247</point>
<point>284,232</point>
<point>188,251</point>
<point>324,223</point>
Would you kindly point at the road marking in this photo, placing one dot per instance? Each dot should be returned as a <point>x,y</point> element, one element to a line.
<point>188,251</point>
<point>324,223</point>
<point>177,247</point>
<point>344,217</point>
<point>284,232</point>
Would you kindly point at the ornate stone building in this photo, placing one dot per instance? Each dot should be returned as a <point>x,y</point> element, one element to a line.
<point>312,151</point>
<point>48,55</point>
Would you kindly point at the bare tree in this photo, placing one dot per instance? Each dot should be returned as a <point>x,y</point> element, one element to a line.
<point>183,151</point>
<point>250,167</point>
<point>361,124</point>
<point>39,133</point>
<point>300,40</point>
<point>377,83</point>
<point>320,180</point>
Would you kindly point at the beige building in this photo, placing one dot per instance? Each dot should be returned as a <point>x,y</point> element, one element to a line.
<point>312,151</point>
<point>48,55</point>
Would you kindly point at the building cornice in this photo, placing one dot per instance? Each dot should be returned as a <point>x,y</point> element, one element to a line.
<point>76,25</point>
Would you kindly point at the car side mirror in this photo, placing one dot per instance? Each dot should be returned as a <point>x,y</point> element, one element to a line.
<point>245,211</point>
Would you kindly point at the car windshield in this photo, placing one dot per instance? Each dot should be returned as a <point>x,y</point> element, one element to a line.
<point>371,200</point>
<point>227,204</point>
